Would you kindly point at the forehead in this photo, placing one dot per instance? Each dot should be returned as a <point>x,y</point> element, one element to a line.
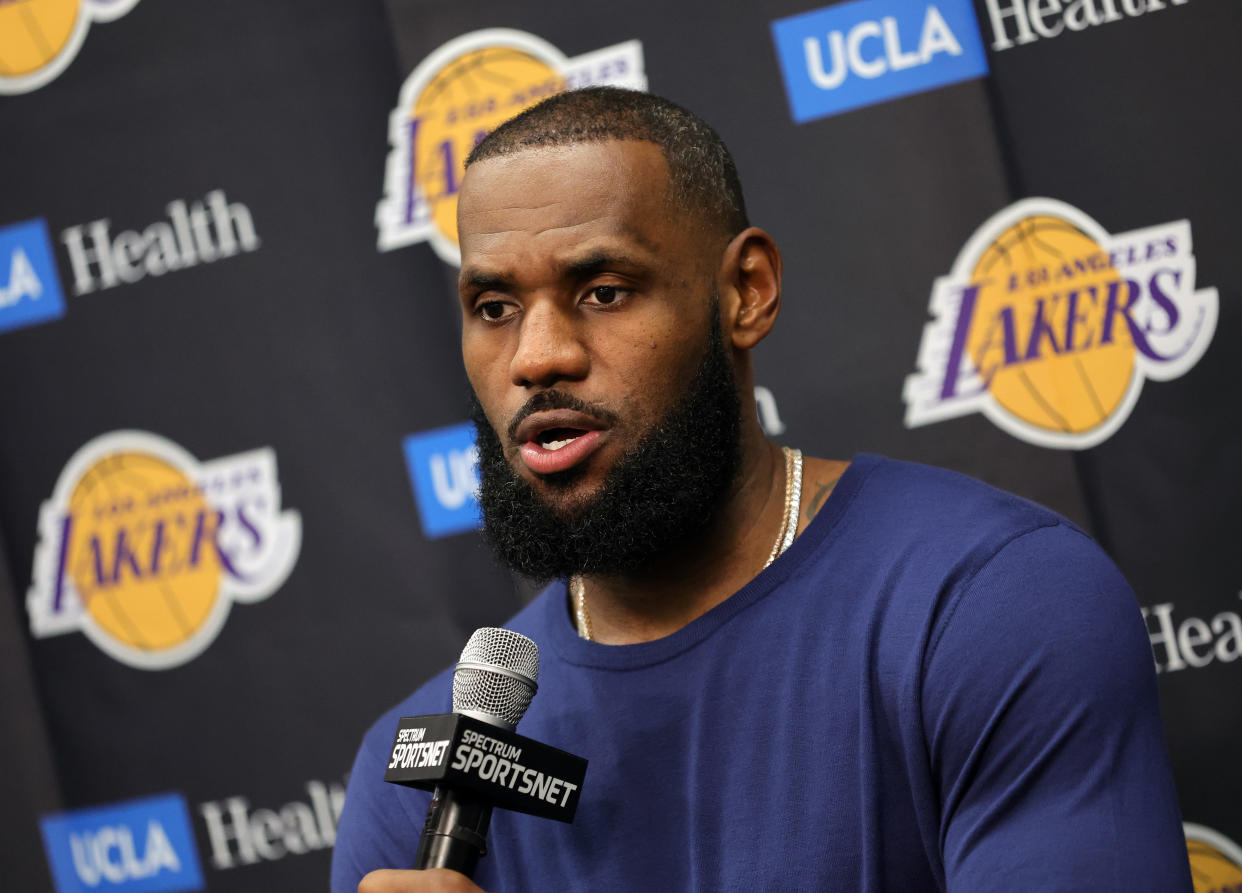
<point>541,203</point>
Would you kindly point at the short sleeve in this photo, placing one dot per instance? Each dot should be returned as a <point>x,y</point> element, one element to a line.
<point>1043,732</point>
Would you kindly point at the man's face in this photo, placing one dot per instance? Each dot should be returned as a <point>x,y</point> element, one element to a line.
<point>587,319</point>
<point>577,276</point>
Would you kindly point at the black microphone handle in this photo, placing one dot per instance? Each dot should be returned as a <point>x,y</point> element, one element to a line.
<point>455,833</point>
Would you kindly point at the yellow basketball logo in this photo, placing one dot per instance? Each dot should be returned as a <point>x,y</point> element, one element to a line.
<point>143,548</point>
<point>39,38</point>
<point>453,99</point>
<point>1049,325</point>
<point>1215,860</point>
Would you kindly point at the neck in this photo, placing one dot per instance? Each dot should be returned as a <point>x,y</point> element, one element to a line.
<point>686,583</point>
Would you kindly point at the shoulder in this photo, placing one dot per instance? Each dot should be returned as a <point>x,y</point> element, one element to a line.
<point>1045,628</point>
<point>1015,605</point>
<point>937,499</point>
<point>926,530</point>
<point>1051,577</point>
<point>1040,722</point>
<point>1011,572</point>
<point>948,568</point>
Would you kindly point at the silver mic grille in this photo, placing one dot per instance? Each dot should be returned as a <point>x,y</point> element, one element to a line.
<point>496,676</point>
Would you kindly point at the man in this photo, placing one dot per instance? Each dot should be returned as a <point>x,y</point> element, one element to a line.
<point>786,673</point>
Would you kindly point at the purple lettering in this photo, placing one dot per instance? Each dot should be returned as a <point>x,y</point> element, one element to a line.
<point>200,534</point>
<point>248,525</point>
<point>1112,307</point>
<point>1041,328</point>
<point>1009,344</point>
<point>204,532</point>
<point>66,527</point>
<point>1154,249</point>
<point>1137,332</point>
<point>97,560</point>
<point>450,171</point>
<point>970,297</point>
<point>1073,317</point>
<point>1164,301</point>
<point>1123,258</point>
<point>411,199</point>
<point>126,555</point>
<point>1166,304</point>
<point>157,543</point>
<point>225,560</point>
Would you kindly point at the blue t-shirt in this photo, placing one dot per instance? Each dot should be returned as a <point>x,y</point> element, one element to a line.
<point>939,686</point>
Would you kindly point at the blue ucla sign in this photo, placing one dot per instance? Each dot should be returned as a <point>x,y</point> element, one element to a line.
<point>30,290</point>
<point>869,51</point>
<point>443,466</point>
<point>139,846</point>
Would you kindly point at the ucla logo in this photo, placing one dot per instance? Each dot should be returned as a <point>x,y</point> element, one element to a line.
<point>140,846</point>
<point>443,466</point>
<point>1215,860</point>
<point>144,549</point>
<point>39,38</point>
<point>1049,325</point>
<point>454,98</point>
<point>30,291</point>
<point>868,51</point>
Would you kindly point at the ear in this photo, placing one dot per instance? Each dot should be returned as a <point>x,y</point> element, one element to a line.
<point>749,283</point>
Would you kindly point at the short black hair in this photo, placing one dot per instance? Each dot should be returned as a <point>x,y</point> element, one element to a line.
<point>703,179</point>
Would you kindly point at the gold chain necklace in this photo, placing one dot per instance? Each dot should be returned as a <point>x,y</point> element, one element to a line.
<point>784,537</point>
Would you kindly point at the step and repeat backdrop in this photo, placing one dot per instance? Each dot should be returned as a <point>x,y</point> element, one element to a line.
<point>237,514</point>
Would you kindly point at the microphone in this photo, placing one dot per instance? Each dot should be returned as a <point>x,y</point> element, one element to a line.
<point>473,760</point>
<point>496,677</point>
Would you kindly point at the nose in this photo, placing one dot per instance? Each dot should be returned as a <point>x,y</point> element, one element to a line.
<point>549,348</point>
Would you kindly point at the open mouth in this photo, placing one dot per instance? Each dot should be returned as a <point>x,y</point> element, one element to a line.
<point>554,450</point>
<point>558,438</point>
<point>555,440</point>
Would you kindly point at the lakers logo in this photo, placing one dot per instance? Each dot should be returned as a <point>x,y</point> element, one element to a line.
<point>39,38</point>
<point>1049,325</point>
<point>1215,860</point>
<point>453,99</point>
<point>144,549</point>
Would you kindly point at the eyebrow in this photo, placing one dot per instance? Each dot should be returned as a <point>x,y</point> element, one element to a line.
<point>597,261</point>
<point>477,279</point>
<point>581,268</point>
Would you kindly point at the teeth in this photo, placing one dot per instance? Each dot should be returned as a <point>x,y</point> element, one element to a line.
<point>554,445</point>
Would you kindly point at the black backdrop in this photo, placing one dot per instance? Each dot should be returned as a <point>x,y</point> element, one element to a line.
<point>310,341</point>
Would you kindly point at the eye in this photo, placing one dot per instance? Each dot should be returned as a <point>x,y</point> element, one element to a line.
<point>493,311</point>
<point>606,295</point>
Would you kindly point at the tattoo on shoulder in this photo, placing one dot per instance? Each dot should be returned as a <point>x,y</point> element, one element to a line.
<point>817,501</point>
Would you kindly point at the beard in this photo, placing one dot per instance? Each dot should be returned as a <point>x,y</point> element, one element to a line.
<point>660,494</point>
